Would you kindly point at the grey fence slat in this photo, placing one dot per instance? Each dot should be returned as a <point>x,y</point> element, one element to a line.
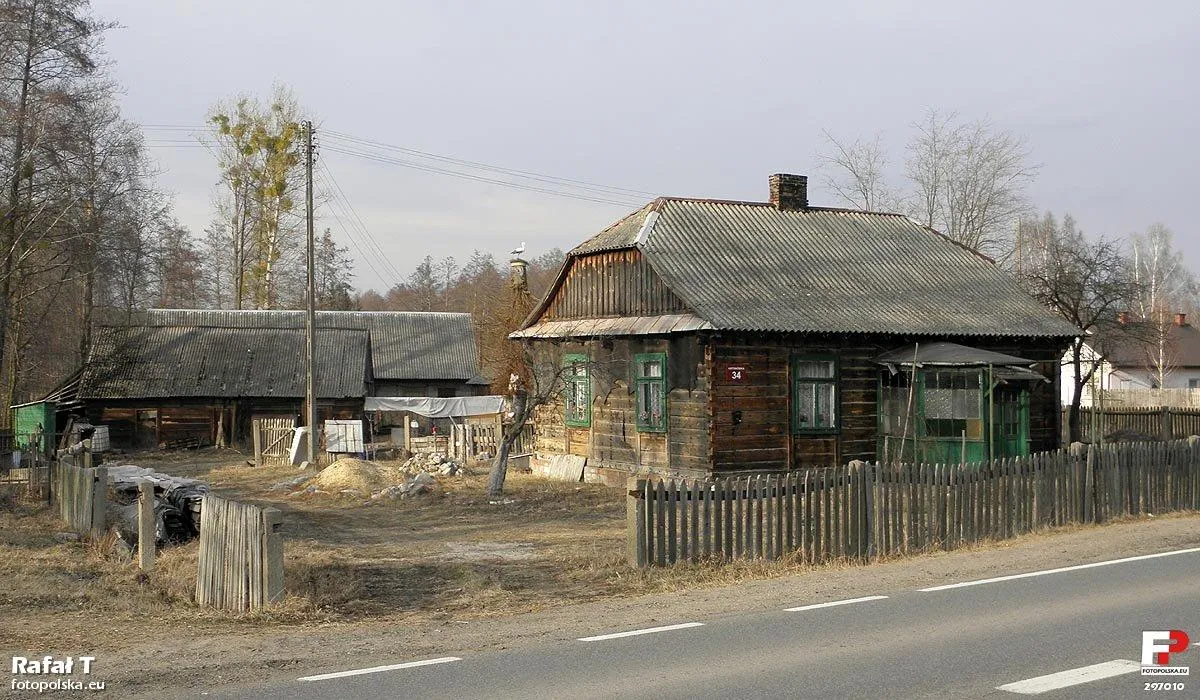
<point>672,515</point>
<point>858,511</point>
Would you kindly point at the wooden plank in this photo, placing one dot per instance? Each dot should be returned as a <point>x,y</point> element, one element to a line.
<point>695,492</point>
<point>706,518</point>
<point>672,494</point>
<point>660,524</point>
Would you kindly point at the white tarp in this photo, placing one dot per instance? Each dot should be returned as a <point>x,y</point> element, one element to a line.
<point>430,407</point>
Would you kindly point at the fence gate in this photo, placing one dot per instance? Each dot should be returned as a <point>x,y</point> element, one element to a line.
<point>273,440</point>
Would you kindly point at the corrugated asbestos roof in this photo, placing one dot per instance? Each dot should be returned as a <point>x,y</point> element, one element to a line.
<point>203,361</point>
<point>404,344</point>
<point>748,266</point>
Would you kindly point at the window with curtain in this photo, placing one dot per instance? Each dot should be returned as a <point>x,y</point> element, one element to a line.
<point>650,385</point>
<point>814,395</point>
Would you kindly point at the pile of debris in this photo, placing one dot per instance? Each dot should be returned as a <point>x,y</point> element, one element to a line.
<point>433,463</point>
<point>357,478</point>
<point>177,502</point>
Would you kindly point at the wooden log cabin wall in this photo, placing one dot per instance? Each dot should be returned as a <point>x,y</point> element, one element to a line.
<point>730,402</point>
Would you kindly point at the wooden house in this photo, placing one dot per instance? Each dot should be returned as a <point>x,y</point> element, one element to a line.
<point>699,337</point>
<point>186,376</point>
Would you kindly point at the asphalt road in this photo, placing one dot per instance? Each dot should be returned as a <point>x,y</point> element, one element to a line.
<point>958,642</point>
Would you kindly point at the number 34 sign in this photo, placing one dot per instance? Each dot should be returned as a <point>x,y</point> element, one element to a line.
<point>736,373</point>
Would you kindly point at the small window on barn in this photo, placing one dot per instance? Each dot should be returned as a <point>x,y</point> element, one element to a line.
<point>650,384</point>
<point>814,395</point>
<point>578,391</point>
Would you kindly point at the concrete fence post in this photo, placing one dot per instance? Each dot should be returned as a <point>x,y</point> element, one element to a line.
<point>147,534</point>
<point>635,522</point>
<point>272,549</point>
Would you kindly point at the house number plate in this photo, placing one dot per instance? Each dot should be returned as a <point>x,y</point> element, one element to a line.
<point>736,374</point>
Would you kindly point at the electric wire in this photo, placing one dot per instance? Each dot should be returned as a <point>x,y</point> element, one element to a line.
<point>354,220</point>
<point>550,179</point>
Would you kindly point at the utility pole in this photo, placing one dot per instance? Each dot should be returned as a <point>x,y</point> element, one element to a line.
<point>310,404</point>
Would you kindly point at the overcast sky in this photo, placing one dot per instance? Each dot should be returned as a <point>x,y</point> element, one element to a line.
<point>674,98</point>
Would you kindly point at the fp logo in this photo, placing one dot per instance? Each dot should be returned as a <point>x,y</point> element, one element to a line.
<point>1158,645</point>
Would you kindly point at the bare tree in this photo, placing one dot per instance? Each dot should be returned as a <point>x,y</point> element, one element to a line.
<point>1087,282</point>
<point>965,179</point>
<point>1165,286</point>
<point>855,172</point>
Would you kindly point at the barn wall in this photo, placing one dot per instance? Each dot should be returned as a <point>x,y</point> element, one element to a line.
<point>614,283</point>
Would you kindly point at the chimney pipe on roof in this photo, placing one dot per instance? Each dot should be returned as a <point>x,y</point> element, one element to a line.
<point>789,192</point>
<point>1181,319</point>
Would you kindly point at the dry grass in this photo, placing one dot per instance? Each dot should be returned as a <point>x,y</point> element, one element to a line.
<point>349,559</point>
<point>447,555</point>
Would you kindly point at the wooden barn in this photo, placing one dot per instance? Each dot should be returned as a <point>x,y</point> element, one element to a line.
<point>699,337</point>
<point>198,377</point>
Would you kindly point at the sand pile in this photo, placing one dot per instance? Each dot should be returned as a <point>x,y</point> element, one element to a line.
<point>349,474</point>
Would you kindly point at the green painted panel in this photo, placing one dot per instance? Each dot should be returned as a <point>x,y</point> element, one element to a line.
<point>26,421</point>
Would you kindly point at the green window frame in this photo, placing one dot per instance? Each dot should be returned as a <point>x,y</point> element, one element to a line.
<point>577,391</point>
<point>650,391</point>
<point>816,408</point>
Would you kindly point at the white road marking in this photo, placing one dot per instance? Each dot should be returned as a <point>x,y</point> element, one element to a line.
<point>1075,676</point>
<point>380,669</point>
<point>835,603</point>
<point>1058,571</point>
<point>634,633</point>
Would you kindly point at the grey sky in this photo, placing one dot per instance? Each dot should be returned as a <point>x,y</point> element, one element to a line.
<point>679,98</point>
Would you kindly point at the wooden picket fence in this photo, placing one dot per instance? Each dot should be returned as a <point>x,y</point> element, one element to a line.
<point>241,555</point>
<point>865,511</point>
<point>1160,422</point>
<point>81,492</point>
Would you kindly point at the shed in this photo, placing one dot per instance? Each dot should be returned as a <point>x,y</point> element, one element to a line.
<point>196,377</point>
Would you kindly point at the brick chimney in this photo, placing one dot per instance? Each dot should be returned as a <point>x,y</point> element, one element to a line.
<point>518,276</point>
<point>1181,319</point>
<point>789,192</point>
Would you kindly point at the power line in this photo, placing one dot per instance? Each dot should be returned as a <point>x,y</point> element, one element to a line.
<point>339,195</point>
<point>540,177</point>
<point>480,178</point>
<point>358,147</point>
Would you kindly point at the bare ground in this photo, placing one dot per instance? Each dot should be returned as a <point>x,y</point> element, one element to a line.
<point>373,582</point>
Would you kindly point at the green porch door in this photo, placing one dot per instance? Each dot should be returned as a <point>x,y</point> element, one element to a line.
<point>1011,426</point>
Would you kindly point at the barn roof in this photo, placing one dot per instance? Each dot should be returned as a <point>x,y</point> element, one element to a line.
<point>167,361</point>
<point>404,344</point>
<point>755,267</point>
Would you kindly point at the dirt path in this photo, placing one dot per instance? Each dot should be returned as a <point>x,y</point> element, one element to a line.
<point>188,663</point>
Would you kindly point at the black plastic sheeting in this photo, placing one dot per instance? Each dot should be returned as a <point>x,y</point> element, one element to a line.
<point>176,504</point>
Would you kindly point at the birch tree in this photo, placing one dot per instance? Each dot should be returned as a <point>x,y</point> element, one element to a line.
<point>1165,286</point>
<point>262,178</point>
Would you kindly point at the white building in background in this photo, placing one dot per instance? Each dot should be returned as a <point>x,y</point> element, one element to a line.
<point>1129,377</point>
